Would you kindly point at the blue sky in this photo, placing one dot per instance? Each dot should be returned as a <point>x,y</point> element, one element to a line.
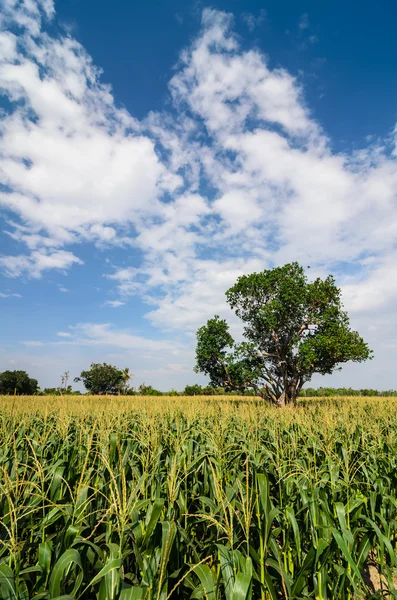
<point>153,152</point>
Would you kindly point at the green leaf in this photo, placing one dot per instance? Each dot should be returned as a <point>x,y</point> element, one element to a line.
<point>132,593</point>
<point>110,580</point>
<point>61,569</point>
<point>34,569</point>
<point>363,551</point>
<point>45,551</point>
<point>207,580</point>
<point>289,511</point>
<point>155,513</point>
<point>227,568</point>
<point>344,549</point>
<point>341,514</point>
<point>383,540</point>
<point>7,583</point>
<point>113,564</point>
<point>241,586</point>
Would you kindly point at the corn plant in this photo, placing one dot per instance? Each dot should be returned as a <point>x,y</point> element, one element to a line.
<point>204,498</point>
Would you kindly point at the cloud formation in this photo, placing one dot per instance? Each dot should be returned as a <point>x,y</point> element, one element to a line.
<point>253,21</point>
<point>9,295</point>
<point>114,303</point>
<point>75,167</point>
<point>238,176</point>
<point>304,21</point>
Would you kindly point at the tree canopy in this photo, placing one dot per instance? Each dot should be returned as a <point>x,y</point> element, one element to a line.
<point>104,379</point>
<point>293,329</point>
<point>17,382</point>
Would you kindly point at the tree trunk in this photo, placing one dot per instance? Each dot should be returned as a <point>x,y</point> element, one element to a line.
<point>293,392</point>
<point>281,400</point>
<point>289,394</point>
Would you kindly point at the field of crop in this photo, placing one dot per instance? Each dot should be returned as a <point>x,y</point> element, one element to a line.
<point>215,498</point>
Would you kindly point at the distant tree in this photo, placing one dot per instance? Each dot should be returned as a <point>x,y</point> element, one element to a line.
<point>293,329</point>
<point>193,390</point>
<point>17,382</point>
<point>101,379</point>
<point>173,392</point>
<point>64,388</point>
<point>59,391</point>
<point>148,390</point>
<point>368,392</point>
<point>51,392</point>
<point>131,391</point>
<point>126,377</point>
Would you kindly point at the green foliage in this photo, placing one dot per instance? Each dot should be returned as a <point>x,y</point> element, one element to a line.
<point>102,379</point>
<point>17,382</point>
<point>198,390</point>
<point>68,391</point>
<point>323,392</point>
<point>193,390</point>
<point>126,376</point>
<point>226,504</point>
<point>148,390</point>
<point>172,393</point>
<point>292,328</point>
<point>213,342</point>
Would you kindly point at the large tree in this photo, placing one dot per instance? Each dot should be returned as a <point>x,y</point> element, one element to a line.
<point>293,329</point>
<point>17,382</point>
<point>103,379</point>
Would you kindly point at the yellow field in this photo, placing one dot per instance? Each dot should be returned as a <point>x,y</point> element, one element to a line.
<point>320,412</point>
<point>243,405</point>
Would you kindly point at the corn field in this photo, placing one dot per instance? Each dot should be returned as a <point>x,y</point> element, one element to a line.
<point>217,499</point>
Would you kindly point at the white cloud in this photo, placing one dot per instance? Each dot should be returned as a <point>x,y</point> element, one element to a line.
<point>9,295</point>
<point>114,303</point>
<point>281,193</point>
<point>376,290</point>
<point>253,21</point>
<point>38,261</point>
<point>104,334</point>
<point>123,274</point>
<point>304,21</point>
<point>194,301</point>
<point>226,87</point>
<point>77,167</point>
<point>109,336</point>
<point>26,13</point>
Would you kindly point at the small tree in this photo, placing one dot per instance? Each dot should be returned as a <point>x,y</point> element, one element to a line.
<point>102,379</point>
<point>64,388</point>
<point>17,382</point>
<point>293,329</point>
<point>126,377</point>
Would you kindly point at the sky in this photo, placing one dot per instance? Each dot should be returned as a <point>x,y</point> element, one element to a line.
<point>152,152</point>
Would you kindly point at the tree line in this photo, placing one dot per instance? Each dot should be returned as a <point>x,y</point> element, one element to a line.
<point>19,383</point>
